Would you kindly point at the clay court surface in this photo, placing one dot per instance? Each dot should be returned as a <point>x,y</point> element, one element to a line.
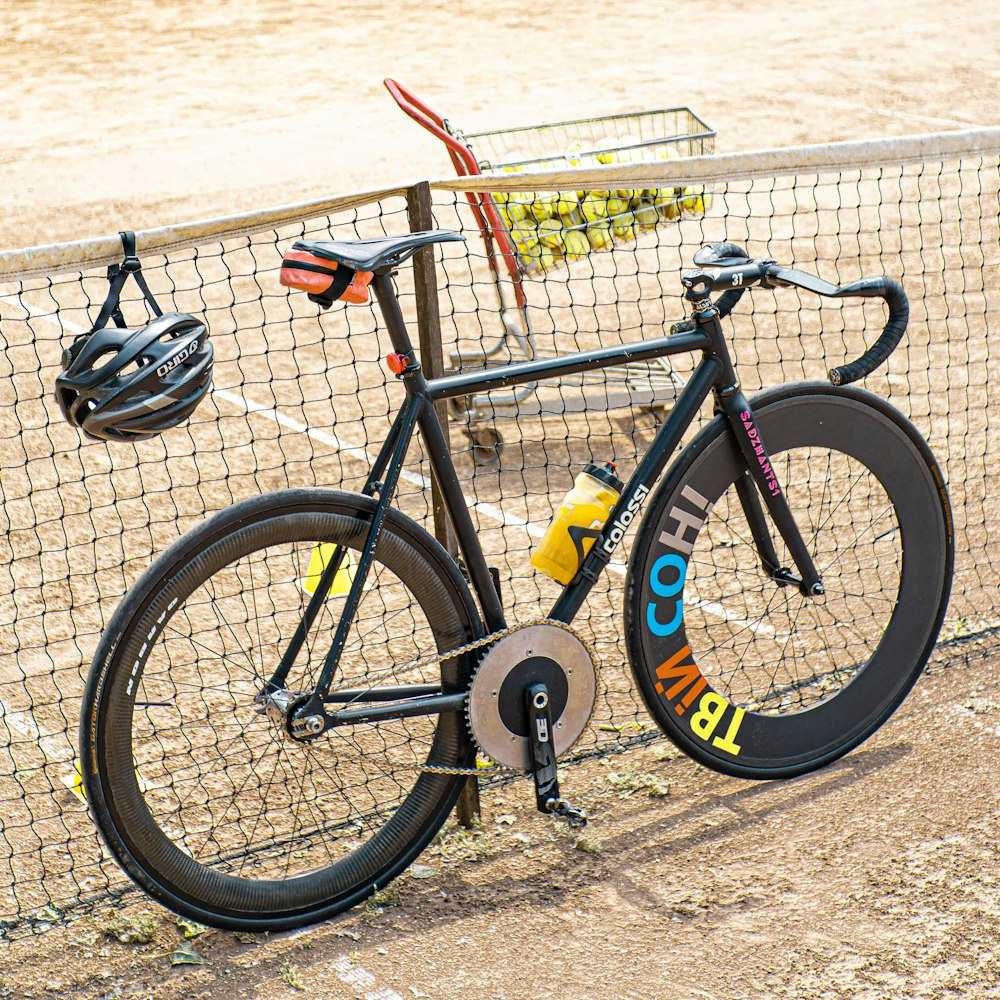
<point>877,877</point>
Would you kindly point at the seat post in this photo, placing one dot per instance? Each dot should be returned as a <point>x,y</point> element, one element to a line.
<point>391,313</point>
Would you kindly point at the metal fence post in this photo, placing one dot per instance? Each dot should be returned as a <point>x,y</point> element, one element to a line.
<point>419,210</point>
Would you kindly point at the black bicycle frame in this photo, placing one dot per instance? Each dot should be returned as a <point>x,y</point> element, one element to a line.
<point>714,373</point>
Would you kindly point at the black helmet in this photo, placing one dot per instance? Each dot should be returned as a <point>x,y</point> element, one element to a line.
<point>124,385</point>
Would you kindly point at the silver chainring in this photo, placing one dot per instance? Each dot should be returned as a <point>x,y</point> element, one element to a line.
<point>496,709</point>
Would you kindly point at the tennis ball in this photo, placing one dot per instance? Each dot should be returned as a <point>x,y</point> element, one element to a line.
<point>566,203</point>
<point>616,207</point>
<point>665,200</point>
<point>610,146</point>
<point>593,207</point>
<point>546,258</point>
<point>599,234</point>
<point>544,207</point>
<point>693,199</point>
<point>525,237</point>
<point>550,234</point>
<point>514,163</point>
<point>573,151</point>
<point>645,215</point>
<point>513,212</point>
<point>624,226</point>
<point>576,244</point>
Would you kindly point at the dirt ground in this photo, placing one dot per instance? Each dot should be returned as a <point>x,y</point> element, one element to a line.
<point>874,878</point>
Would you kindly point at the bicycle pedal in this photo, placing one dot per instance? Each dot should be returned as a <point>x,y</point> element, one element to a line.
<point>576,818</point>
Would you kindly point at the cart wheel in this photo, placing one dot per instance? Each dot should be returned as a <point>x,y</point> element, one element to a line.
<point>487,445</point>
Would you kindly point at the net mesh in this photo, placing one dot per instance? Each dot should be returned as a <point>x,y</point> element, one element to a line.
<point>300,398</point>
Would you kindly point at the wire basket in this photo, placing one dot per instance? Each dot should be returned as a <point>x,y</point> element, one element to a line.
<point>623,138</point>
<point>641,132</point>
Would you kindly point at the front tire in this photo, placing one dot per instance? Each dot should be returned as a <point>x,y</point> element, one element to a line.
<point>750,678</point>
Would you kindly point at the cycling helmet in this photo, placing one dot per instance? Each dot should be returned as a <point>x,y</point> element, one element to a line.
<point>124,385</point>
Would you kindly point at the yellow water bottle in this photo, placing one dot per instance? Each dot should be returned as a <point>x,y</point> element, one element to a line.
<point>577,522</point>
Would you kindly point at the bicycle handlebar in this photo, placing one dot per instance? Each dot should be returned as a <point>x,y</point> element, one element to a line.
<point>736,273</point>
<point>899,315</point>
<point>880,287</point>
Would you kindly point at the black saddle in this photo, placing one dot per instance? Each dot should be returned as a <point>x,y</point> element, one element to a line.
<point>377,254</point>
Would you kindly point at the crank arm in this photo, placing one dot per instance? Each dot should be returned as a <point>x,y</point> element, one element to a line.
<point>543,758</point>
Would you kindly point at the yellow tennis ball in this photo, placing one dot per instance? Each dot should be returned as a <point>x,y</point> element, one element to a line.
<point>617,207</point>
<point>693,200</point>
<point>576,244</point>
<point>593,207</point>
<point>514,163</point>
<point>645,215</point>
<point>611,146</point>
<point>544,207</point>
<point>546,258</point>
<point>599,234</point>
<point>573,151</point>
<point>665,200</point>
<point>550,234</point>
<point>567,203</point>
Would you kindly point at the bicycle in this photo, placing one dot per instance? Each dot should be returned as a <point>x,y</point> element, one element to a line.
<point>281,713</point>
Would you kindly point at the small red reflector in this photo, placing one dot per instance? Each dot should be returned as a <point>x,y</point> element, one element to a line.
<point>397,363</point>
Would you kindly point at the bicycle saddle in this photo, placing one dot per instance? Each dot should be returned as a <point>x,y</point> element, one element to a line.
<point>383,251</point>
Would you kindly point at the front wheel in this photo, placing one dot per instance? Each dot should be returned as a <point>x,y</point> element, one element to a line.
<point>747,676</point>
<point>204,800</point>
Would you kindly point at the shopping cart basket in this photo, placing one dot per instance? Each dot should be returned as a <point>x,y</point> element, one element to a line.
<point>524,235</point>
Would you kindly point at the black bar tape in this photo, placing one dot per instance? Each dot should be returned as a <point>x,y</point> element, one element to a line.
<point>726,302</point>
<point>895,327</point>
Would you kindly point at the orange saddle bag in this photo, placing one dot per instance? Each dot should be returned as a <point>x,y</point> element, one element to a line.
<point>326,281</point>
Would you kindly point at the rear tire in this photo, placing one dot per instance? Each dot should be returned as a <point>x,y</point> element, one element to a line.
<point>750,678</point>
<point>200,797</point>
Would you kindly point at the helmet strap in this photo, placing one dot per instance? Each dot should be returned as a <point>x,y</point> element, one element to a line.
<point>117,276</point>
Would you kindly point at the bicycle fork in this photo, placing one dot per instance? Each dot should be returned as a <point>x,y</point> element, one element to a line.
<point>760,479</point>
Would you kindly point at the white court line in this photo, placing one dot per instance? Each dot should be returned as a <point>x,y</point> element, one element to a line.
<point>714,608</point>
<point>25,725</point>
<point>359,978</point>
<point>363,455</point>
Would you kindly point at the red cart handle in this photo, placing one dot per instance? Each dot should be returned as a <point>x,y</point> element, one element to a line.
<point>434,123</point>
<point>465,164</point>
